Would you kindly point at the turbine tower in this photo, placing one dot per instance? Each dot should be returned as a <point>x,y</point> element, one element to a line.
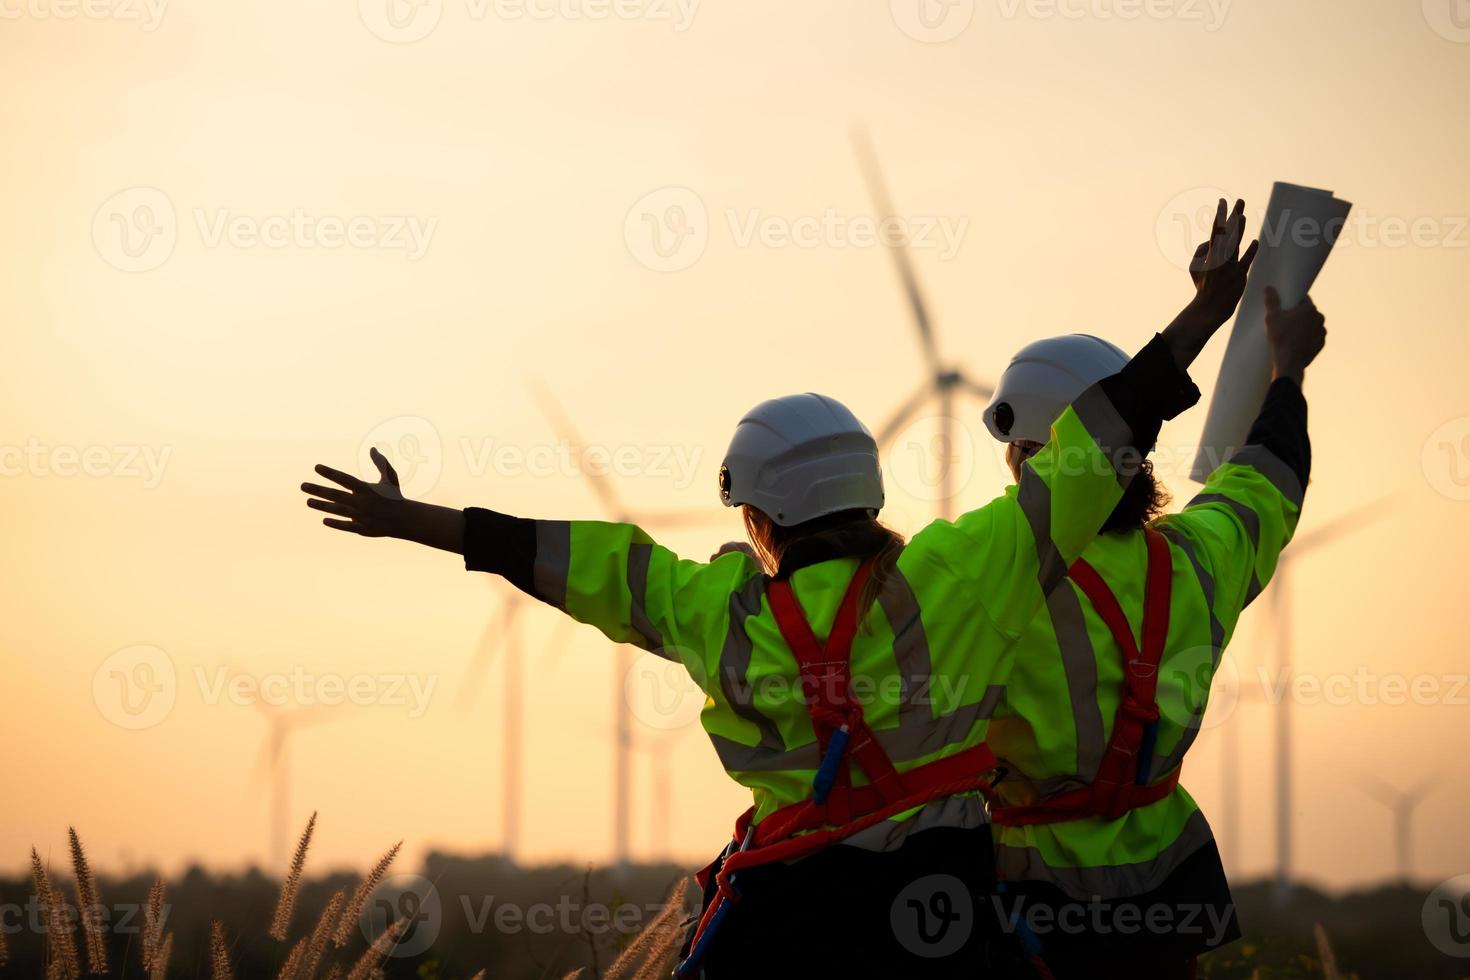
<point>946,381</point>
<point>1281,615</point>
<point>501,631</point>
<point>274,760</point>
<point>623,660</point>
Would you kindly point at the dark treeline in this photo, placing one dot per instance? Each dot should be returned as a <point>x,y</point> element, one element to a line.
<point>539,922</point>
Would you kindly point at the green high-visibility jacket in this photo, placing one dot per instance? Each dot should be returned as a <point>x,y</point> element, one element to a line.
<point>935,648</point>
<point>1056,717</point>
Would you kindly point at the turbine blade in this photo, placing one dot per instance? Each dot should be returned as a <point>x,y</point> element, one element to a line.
<point>979,389</point>
<point>557,645</point>
<point>902,260</point>
<point>1379,791</point>
<point>890,429</point>
<point>474,674</point>
<point>681,518</point>
<point>562,425</point>
<point>1342,526</point>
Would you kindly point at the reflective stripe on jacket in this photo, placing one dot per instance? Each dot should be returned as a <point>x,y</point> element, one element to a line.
<point>936,645</point>
<point>1056,717</point>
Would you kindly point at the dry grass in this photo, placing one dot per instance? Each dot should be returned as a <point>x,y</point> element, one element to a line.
<point>360,896</point>
<point>94,930</point>
<point>368,963</point>
<point>305,961</point>
<point>161,957</point>
<point>61,961</point>
<point>286,904</point>
<point>219,953</point>
<point>650,955</point>
<point>153,925</point>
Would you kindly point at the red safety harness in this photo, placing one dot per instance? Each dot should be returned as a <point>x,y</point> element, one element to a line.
<point>836,813</point>
<point>1122,777</point>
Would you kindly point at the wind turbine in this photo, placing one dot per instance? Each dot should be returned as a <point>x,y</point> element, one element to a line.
<point>502,631</point>
<point>659,752</point>
<point>623,660</point>
<point>946,381</point>
<point>1281,615</point>
<point>1402,804</point>
<point>275,756</point>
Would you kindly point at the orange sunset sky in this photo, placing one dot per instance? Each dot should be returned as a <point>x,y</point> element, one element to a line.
<point>241,239</point>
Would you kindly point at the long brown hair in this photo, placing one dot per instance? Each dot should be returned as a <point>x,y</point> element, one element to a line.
<point>849,534</point>
<point>1143,500</point>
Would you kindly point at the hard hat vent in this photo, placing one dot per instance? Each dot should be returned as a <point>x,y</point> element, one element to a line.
<point>1005,417</point>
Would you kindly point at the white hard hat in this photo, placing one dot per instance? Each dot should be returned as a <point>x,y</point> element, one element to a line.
<point>800,457</point>
<point>1043,379</point>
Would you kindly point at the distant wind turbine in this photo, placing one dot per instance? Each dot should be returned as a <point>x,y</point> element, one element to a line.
<point>1402,804</point>
<point>274,761</point>
<point>946,381</point>
<point>1281,615</point>
<point>612,504</point>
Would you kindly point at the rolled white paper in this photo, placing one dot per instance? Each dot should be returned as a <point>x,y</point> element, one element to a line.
<point>1302,224</point>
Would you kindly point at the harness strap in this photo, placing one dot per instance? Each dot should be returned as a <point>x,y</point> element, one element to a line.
<point>826,686</point>
<point>1121,783</point>
<point>837,812</point>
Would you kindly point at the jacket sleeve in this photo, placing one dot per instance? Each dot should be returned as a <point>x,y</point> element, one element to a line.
<point>614,577</point>
<point>1235,529</point>
<point>1030,535</point>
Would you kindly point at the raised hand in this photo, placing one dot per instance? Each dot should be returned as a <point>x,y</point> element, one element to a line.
<point>1218,269</point>
<point>374,510</point>
<point>1296,336</point>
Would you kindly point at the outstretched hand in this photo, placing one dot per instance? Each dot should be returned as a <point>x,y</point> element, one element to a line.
<point>1218,269</point>
<point>374,510</point>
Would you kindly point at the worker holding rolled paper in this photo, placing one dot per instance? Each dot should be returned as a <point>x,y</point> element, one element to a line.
<point>849,675</point>
<point>1108,867</point>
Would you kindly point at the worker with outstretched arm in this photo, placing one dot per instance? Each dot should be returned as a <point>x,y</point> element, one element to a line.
<point>849,676</point>
<point>1108,867</point>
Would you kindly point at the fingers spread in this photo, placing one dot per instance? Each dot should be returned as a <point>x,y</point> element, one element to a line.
<point>327,493</point>
<point>345,510</point>
<point>337,476</point>
<point>341,525</point>
<point>1250,255</point>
